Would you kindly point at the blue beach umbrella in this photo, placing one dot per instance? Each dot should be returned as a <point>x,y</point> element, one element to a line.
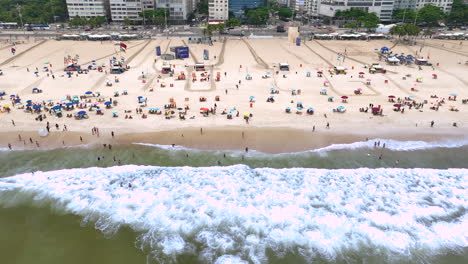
<point>89,92</point>
<point>81,112</point>
<point>28,105</point>
<point>384,49</point>
<point>288,108</point>
<point>69,104</point>
<point>37,106</point>
<point>57,107</point>
<point>252,97</point>
<point>324,90</point>
<point>28,101</point>
<point>12,95</point>
<point>300,108</point>
<point>341,107</point>
<point>453,94</point>
<point>310,109</point>
<point>156,109</point>
<point>139,97</point>
<point>272,89</point>
<point>108,103</point>
<point>17,100</point>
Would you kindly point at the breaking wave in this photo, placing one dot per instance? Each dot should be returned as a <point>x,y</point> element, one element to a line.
<point>241,215</point>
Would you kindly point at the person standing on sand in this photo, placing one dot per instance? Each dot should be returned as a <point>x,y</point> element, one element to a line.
<point>81,139</point>
<point>13,122</point>
<point>432,123</point>
<point>246,149</point>
<point>328,125</point>
<point>19,137</point>
<point>313,128</point>
<point>201,131</point>
<point>9,146</point>
<point>112,133</point>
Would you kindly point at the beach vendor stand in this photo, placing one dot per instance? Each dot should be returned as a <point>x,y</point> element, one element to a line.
<point>283,66</point>
<point>199,67</point>
<point>166,68</point>
<point>376,68</point>
<point>340,70</point>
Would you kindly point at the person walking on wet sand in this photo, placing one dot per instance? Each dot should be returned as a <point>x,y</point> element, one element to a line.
<point>432,123</point>
<point>81,139</point>
<point>112,133</point>
<point>201,131</point>
<point>13,122</point>
<point>328,125</point>
<point>9,146</point>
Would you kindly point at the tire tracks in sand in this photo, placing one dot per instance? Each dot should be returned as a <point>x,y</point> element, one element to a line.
<point>153,76</point>
<point>102,78</point>
<point>22,53</point>
<point>363,62</point>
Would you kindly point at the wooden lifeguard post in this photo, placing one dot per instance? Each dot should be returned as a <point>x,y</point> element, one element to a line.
<point>293,34</point>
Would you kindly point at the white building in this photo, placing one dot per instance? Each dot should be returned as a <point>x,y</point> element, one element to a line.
<point>131,9</point>
<point>446,5</point>
<point>218,10</point>
<point>382,8</point>
<point>88,9</point>
<point>178,9</point>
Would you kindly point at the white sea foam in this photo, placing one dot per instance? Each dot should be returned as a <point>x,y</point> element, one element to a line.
<point>394,145</point>
<point>236,214</point>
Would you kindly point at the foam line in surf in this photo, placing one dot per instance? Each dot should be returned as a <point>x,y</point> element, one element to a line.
<point>238,213</point>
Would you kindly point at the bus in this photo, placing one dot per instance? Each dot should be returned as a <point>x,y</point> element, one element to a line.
<point>31,27</point>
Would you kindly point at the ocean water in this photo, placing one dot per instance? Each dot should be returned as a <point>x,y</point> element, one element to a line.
<point>164,204</point>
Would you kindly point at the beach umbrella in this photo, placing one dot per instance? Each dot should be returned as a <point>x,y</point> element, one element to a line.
<point>6,106</point>
<point>63,99</point>
<point>156,109</point>
<point>344,97</point>
<point>299,103</point>
<point>37,107</point>
<point>12,95</point>
<point>252,97</point>
<point>324,90</point>
<point>246,114</point>
<point>43,132</point>
<point>28,105</point>
<point>46,62</point>
<point>391,96</point>
<point>310,109</point>
<point>36,72</point>
<point>331,97</point>
<point>272,89</point>
<point>288,108</point>
<point>300,108</point>
<point>115,112</point>
<point>69,104</point>
<point>397,105</point>
<point>35,89</point>
<point>361,72</point>
<point>411,96</point>
<point>28,101</point>
<point>204,109</point>
<point>453,94</point>
<point>359,89</point>
<point>57,107</point>
<point>384,49</point>
<point>108,103</point>
<point>17,100</point>
<point>89,92</point>
<point>341,107</point>
<point>81,112</point>
<point>375,109</point>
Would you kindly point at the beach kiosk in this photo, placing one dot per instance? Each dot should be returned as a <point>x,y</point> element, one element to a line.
<point>199,67</point>
<point>376,68</point>
<point>166,68</point>
<point>116,70</point>
<point>283,66</point>
<point>340,70</point>
<point>423,62</point>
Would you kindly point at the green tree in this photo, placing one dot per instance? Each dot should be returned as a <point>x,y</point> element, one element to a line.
<point>459,13</point>
<point>430,14</point>
<point>34,11</point>
<point>127,21</point>
<point>155,17</point>
<point>350,25</point>
<point>403,15</point>
<point>233,22</point>
<point>202,7</point>
<point>405,30</point>
<point>257,16</point>
<point>285,13</point>
<point>369,20</point>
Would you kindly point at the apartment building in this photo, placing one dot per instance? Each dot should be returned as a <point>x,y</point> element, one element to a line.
<point>131,9</point>
<point>88,8</point>
<point>218,10</point>
<point>238,6</point>
<point>178,9</point>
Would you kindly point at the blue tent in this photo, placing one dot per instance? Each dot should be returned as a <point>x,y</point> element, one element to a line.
<point>82,113</point>
<point>108,103</point>
<point>384,49</point>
